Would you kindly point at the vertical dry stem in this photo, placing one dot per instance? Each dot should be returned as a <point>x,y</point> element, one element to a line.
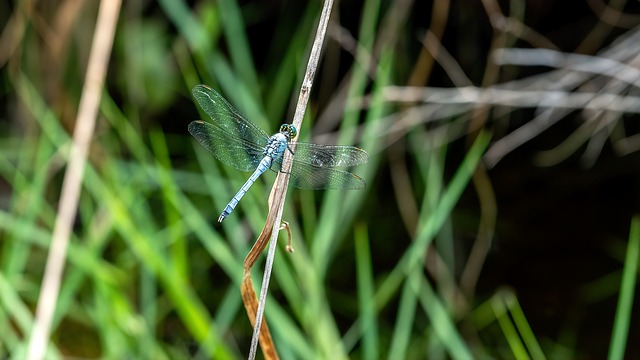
<point>68,206</point>
<point>278,194</point>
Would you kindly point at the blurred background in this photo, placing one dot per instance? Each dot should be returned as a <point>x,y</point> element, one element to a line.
<point>501,187</point>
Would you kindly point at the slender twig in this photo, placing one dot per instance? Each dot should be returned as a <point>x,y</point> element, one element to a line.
<point>85,123</point>
<point>279,190</point>
<point>514,98</point>
<point>596,65</point>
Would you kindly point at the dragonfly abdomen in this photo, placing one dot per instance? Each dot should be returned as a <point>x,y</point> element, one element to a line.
<point>274,149</point>
<point>262,167</point>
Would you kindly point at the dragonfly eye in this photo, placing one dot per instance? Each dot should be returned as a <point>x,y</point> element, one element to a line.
<point>290,129</point>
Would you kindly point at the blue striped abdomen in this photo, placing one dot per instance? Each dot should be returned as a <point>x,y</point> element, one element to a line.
<point>274,150</point>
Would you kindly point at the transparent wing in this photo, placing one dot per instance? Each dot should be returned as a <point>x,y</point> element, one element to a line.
<point>228,148</point>
<point>237,142</point>
<point>310,177</point>
<point>231,137</point>
<point>227,117</point>
<point>330,155</point>
<point>313,167</point>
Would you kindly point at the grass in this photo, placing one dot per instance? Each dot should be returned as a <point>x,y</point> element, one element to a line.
<point>149,274</point>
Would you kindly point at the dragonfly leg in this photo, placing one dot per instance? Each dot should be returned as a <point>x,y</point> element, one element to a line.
<point>292,153</point>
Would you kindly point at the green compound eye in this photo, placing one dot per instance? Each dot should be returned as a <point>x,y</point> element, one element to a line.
<point>290,129</point>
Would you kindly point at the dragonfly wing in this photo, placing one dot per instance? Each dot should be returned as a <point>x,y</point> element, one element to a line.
<point>227,117</point>
<point>330,155</point>
<point>227,147</point>
<point>312,177</point>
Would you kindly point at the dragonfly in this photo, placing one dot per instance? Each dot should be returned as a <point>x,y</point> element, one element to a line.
<point>237,142</point>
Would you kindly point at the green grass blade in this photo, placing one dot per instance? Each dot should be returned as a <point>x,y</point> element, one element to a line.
<point>414,253</point>
<point>441,321</point>
<point>501,311</point>
<point>521,323</point>
<point>188,25</point>
<point>238,44</point>
<point>281,83</point>
<point>18,313</point>
<point>405,319</point>
<point>627,289</point>
<point>173,217</point>
<point>366,292</point>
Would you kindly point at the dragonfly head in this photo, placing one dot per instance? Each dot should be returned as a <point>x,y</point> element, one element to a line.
<point>288,130</point>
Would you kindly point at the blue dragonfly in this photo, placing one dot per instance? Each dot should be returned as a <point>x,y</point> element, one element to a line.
<point>238,142</point>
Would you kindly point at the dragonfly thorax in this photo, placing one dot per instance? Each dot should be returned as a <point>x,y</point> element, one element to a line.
<point>276,146</point>
<point>277,143</point>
